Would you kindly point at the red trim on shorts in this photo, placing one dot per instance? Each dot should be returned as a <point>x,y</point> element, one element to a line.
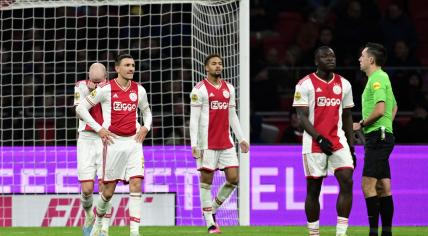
<point>343,167</point>
<point>207,169</point>
<point>227,167</point>
<point>137,176</point>
<point>86,180</point>
<point>104,162</point>
<point>135,219</point>
<point>111,181</point>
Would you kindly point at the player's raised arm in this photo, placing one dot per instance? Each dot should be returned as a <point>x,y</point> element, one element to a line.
<point>195,114</point>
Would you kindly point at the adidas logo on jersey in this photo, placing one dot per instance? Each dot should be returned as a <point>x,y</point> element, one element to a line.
<point>212,95</point>
<point>319,90</point>
<point>115,95</point>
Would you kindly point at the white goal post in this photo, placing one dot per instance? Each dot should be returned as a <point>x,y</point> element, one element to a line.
<point>48,45</point>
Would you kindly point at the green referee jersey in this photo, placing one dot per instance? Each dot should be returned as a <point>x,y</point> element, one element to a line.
<point>378,88</point>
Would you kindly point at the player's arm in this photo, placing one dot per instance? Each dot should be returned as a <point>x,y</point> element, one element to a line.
<point>303,115</point>
<point>82,110</point>
<point>378,88</point>
<point>301,102</point>
<point>195,114</point>
<point>143,105</point>
<point>78,98</point>
<point>235,124</point>
<point>348,104</point>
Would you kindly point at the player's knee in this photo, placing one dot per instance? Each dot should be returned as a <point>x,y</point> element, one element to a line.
<point>87,190</point>
<point>233,180</point>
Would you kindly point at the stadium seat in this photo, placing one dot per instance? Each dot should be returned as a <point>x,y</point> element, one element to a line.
<point>287,25</point>
<point>269,133</point>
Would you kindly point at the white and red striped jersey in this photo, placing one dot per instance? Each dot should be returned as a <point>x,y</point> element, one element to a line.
<point>81,90</point>
<point>326,101</point>
<point>119,106</point>
<point>213,112</point>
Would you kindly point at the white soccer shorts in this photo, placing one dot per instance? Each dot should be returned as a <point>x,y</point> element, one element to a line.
<point>89,156</point>
<point>317,165</point>
<point>212,160</point>
<point>124,160</point>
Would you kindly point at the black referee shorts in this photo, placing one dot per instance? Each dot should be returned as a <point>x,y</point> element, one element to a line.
<point>376,155</point>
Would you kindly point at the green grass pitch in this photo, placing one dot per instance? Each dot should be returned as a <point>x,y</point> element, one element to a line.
<point>185,231</point>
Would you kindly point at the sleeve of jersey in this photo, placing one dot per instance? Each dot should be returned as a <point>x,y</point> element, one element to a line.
<point>144,106</point>
<point>77,95</point>
<point>301,96</point>
<point>83,108</point>
<point>233,117</point>
<point>378,88</point>
<point>348,100</point>
<point>195,114</point>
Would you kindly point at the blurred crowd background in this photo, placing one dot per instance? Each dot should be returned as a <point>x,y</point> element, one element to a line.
<point>284,35</point>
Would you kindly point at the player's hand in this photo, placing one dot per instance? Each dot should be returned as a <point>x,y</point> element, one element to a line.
<point>196,153</point>
<point>91,85</point>
<point>106,136</point>
<point>356,126</point>
<point>325,145</point>
<point>354,156</point>
<point>141,134</point>
<point>244,146</point>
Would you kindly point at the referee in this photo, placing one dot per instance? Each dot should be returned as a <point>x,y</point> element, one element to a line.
<point>378,110</point>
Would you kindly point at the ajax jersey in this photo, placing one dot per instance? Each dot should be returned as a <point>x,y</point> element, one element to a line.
<point>325,101</point>
<point>119,106</point>
<point>213,127</point>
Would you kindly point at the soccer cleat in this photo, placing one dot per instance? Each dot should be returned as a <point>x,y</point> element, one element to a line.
<point>213,229</point>
<point>88,225</point>
<point>96,231</point>
<point>135,234</point>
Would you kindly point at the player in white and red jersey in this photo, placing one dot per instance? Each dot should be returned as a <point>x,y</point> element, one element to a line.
<point>90,146</point>
<point>123,159</point>
<point>323,101</point>
<point>212,114</point>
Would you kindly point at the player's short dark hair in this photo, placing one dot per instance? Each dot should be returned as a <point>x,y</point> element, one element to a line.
<point>378,51</point>
<point>121,57</point>
<point>208,58</point>
<point>322,48</point>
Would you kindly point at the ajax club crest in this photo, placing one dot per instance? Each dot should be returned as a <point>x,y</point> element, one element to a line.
<point>133,96</point>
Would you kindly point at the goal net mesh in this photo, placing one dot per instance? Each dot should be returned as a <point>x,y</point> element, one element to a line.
<point>47,46</point>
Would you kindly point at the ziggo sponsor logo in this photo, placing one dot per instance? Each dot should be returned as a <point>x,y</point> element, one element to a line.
<point>216,105</point>
<point>326,102</point>
<point>119,106</point>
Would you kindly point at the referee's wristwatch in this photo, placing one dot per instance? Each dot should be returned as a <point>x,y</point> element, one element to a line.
<point>361,123</point>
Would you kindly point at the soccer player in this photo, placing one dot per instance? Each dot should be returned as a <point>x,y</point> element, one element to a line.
<point>212,114</point>
<point>89,147</point>
<point>323,101</point>
<point>123,154</point>
<point>378,109</point>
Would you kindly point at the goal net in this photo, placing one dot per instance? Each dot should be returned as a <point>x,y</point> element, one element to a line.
<point>46,46</point>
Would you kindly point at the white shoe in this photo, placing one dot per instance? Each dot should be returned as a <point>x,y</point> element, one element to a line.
<point>96,231</point>
<point>89,223</point>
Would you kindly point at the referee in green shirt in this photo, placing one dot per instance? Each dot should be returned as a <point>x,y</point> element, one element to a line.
<point>379,109</point>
